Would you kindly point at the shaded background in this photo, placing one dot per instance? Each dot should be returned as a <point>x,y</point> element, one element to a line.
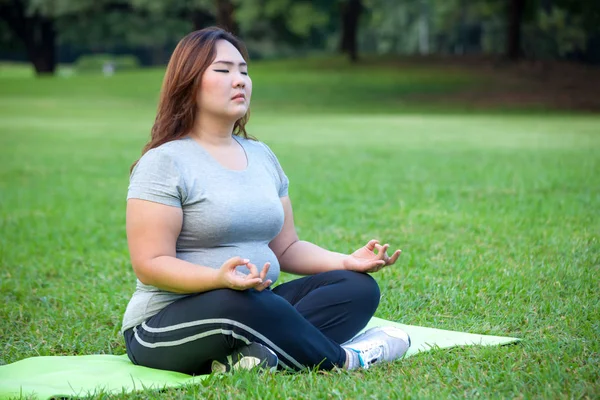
<point>48,32</point>
<point>546,51</point>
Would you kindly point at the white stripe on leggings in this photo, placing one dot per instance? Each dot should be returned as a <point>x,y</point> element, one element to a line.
<point>194,337</point>
<point>270,344</point>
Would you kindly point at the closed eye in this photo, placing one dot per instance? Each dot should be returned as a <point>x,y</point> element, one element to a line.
<point>226,71</point>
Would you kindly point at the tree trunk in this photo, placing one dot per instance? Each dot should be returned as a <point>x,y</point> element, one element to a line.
<point>423,27</point>
<point>42,51</point>
<point>201,19</point>
<point>226,17</point>
<point>515,16</point>
<point>36,32</point>
<point>350,14</point>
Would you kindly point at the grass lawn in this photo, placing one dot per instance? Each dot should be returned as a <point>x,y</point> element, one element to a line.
<point>497,215</point>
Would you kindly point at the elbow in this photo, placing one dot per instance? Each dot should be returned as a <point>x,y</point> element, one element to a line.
<point>142,269</point>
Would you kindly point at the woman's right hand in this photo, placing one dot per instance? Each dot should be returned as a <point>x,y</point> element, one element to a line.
<point>232,279</point>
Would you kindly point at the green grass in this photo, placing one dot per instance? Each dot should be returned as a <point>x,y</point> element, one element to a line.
<point>497,216</point>
<point>279,86</point>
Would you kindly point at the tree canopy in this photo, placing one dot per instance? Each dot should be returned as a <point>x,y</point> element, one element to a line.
<point>514,28</point>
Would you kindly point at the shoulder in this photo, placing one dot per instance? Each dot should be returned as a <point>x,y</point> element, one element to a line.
<point>168,153</point>
<point>163,159</point>
<point>173,149</point>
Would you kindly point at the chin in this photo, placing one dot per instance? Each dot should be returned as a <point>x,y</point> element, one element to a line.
<point>236,115</point>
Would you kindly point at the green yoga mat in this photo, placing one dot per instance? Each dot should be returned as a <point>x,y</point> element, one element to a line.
<point>58,376</point>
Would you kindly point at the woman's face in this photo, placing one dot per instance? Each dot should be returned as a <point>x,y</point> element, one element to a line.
<point>225,88</point>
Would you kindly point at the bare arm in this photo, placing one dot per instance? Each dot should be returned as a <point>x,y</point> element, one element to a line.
<point>152,231</point>
<point>305,258</point>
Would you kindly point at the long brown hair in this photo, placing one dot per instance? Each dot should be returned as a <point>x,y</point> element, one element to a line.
<point>177,105</point>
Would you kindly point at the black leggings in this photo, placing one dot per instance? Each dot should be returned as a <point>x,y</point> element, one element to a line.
<point>304,321</point>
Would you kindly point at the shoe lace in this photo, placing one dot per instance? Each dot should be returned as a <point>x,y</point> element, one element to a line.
<point>369,353</point>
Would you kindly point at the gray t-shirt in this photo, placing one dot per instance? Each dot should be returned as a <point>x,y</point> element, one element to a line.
<point>226,213</point>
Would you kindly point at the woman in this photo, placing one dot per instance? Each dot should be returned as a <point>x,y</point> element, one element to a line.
<point>210,225</point>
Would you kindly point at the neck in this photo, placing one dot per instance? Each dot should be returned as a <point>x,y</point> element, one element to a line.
<point>212,131</point>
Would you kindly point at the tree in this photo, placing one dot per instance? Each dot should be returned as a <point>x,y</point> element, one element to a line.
<point>35,29</point>
<point>34,23</point>
<point>587,10</point>
<point>516,9</point>
<point>226,16</point>
<point>350,11</point>
<point>201,13</point>
<point>276,27</point>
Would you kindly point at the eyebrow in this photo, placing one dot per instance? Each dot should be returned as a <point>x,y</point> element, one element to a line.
<point>242,64</point>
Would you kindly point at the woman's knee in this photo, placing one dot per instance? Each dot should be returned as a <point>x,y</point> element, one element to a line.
<point>366,286</point>
<point>361,287</point>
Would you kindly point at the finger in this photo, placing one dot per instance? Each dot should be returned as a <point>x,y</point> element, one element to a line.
<point>248,283</point>
<point>394,257</point>
<point>372,243</point>
<point>381,251</point>
<point>265,270</point>
<point>386,258</point>
<point>380,267</point>
<point>253,271</point>
<point>241,281</point>
<point>385,248</point>
<point>263,285</point>
<point>371,266</point>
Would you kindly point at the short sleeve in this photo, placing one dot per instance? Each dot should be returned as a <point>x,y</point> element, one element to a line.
<point>284,182</point>
<point>156,178</point>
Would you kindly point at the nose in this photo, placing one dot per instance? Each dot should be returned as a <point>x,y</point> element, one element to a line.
<point>239,81</point>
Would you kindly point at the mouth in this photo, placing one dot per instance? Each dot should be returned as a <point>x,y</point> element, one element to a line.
<point>239,96</point>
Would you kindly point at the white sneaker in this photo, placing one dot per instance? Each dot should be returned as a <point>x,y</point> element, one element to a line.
<point>254,355</point>
<point>379,344</point>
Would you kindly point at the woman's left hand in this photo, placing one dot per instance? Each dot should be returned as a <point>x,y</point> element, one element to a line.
<point>366,260</point>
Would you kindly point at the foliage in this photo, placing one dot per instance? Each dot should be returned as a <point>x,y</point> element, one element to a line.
<point>280,20</point>
<point>58,8</point>
<point>566,30</point>
<point>459,26</point>
<point>174,6</point>
<point>271,28</point>
<point>587,10</point>
<point>119,28</point>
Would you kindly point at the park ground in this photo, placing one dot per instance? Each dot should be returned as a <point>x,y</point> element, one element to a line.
<point>485,175</point>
